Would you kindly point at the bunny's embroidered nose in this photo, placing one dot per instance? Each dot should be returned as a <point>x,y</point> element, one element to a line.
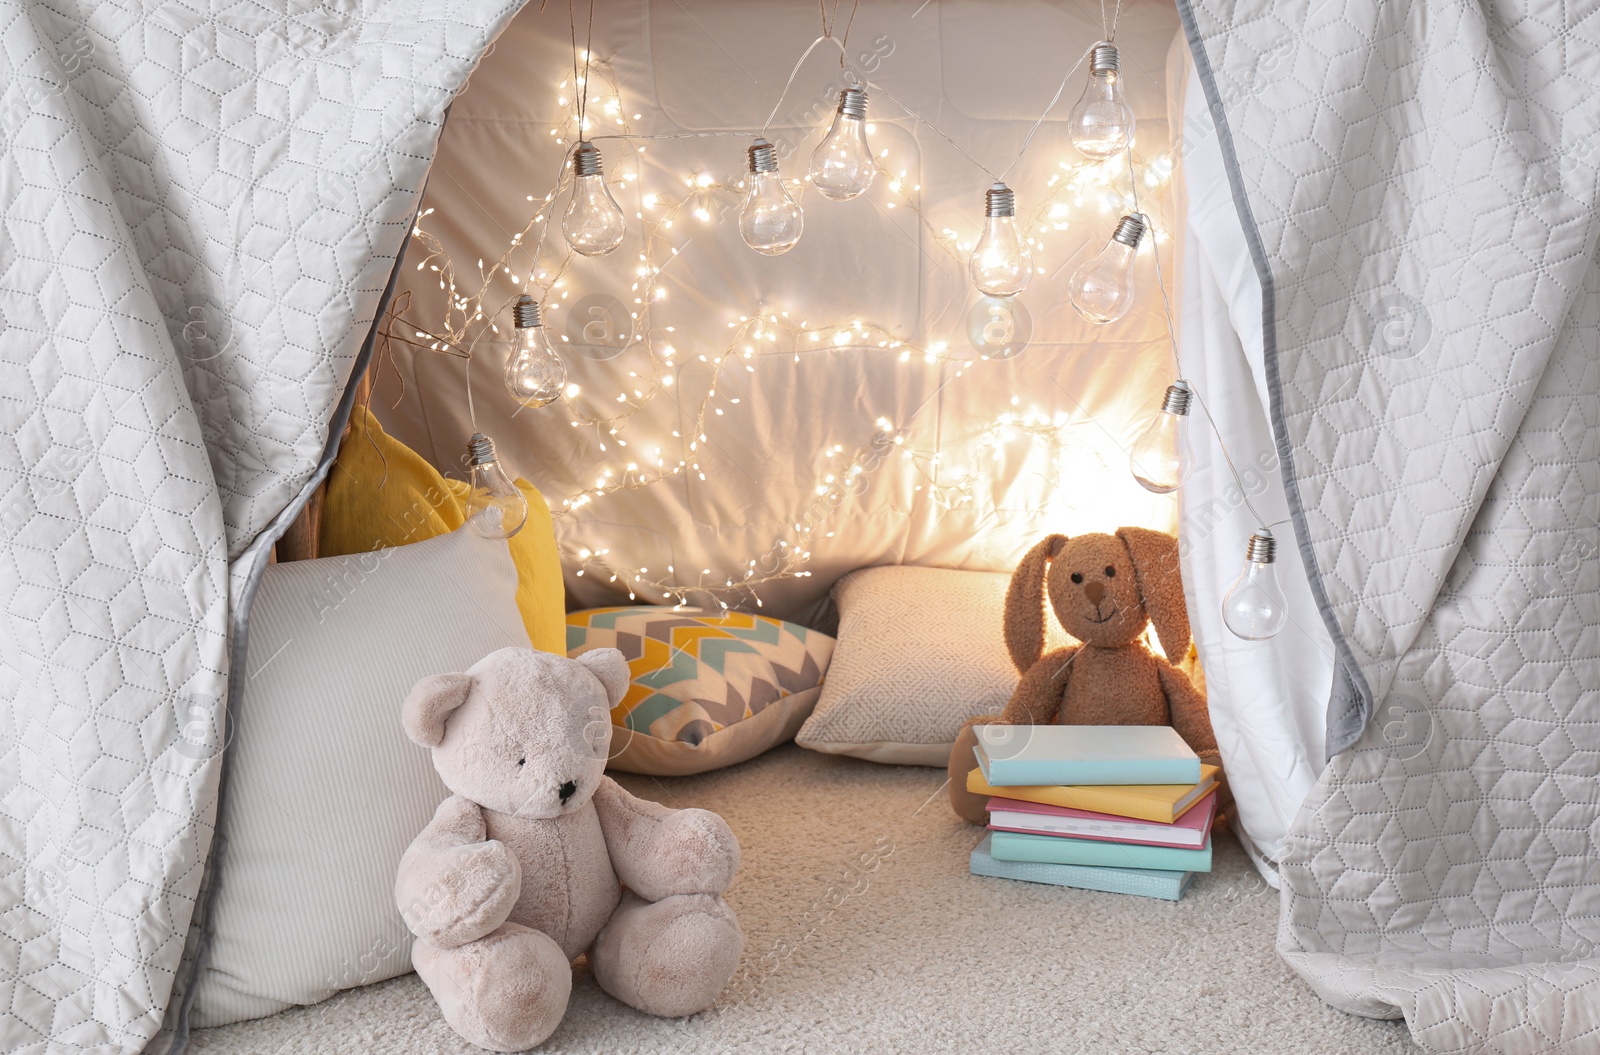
<point>569,789</point>
<point>1094,591</point>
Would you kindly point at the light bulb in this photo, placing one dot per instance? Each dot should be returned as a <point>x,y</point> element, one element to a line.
<point>1000,264</point>
<point>593,223</point>
<point>1254,607</point>
<point>1102,289</point>
<point>1101,124</point>
<point>842,166</point>
<point>535,374</point>
<point>1160,456</point>
<point>500,502</point>
<point>770,221</point>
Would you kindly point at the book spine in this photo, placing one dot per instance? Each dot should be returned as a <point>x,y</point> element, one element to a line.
<point>1016,772</point>
<point>1168,886</point>
<point>1054,849</point>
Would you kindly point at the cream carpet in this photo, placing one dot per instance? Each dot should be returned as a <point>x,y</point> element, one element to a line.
<point>865,933</point>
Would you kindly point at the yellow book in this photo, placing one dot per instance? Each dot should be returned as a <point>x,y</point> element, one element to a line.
<point>1162,803</point>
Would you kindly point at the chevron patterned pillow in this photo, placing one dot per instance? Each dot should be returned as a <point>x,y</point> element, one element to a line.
<point>709,688</point>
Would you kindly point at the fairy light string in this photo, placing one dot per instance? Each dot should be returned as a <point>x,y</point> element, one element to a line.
<point>471,312</point>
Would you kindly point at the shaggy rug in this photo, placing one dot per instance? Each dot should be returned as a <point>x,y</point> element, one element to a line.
<point>865,933</point>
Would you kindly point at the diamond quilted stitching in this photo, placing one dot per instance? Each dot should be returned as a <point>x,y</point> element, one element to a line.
<point>1427,156</point>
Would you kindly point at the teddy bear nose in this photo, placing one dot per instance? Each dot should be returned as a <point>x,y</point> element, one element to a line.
<point>1094,591</point>
<point>569,789</point>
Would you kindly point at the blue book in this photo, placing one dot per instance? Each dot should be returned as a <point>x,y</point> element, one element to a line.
<point>1145,882</point>
<point>1078,755</point>
<point>1059,850</point>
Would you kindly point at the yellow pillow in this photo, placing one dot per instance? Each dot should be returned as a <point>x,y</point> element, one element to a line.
<point>381,493</point>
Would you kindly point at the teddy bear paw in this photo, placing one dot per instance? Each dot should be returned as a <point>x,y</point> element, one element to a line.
<point>471,892</point>
<point>506,991</point>
<point>694,852</point>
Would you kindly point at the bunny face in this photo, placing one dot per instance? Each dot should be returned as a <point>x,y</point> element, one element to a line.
<point>1103,588</point>
<point>522,732</point>
<point>1094,591</point>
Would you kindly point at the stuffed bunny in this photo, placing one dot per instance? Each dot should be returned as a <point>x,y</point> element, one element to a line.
<point>524,866</point>
<point>1104,589</point>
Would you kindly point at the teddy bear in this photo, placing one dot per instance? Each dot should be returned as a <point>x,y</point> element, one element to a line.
<point>537,857</point>
<point>1104,589</point>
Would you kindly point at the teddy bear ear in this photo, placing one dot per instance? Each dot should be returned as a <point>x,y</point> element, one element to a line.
<point>429,705</point>
<point>608,665</point>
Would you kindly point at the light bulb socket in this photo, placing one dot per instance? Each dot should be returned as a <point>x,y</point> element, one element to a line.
<point>763,157</point>
<point>526,314</point>
<point>1263,548</point>
<point>1179,396</point>
<point>853,103</point>
<point>480,450</point>
<point>1130,231</point>
<point>586,160</point>
<point>1000,200</point>
<point>1103,59</point>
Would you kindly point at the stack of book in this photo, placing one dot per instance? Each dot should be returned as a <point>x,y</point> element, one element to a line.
<point>1125,808</point>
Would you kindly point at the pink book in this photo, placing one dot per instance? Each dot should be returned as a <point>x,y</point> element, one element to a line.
<point>1036,818</point>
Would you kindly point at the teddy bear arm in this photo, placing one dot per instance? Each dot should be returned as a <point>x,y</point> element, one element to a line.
<point>1037,697</point>
<point>658,852</point>
<point>1187,708</point>
<point>455,884</point>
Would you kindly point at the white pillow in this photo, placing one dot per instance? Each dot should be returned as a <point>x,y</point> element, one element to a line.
<point>920,650</point>
<point>324,790</point>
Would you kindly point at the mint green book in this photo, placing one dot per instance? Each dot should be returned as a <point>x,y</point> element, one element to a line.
<point>1144,882</point>
<point>1060,850</point>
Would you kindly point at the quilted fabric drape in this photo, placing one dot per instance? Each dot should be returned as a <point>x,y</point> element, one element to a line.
<point>1418,184</point>
<point>200,206</point>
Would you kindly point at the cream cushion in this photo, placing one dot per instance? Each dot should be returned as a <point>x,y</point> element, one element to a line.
<point>920,650</point>
<point>324,791</point>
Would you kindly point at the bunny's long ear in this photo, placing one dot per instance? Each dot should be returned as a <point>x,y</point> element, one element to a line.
<point>429,705</point>
<point>1155,565</point>
<point>1024,627</point>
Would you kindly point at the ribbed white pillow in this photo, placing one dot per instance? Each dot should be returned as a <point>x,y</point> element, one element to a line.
<point>920,650</point>
<point>324,790</point>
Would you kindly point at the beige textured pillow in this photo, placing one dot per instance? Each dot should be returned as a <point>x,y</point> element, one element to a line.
<point>920,650</point>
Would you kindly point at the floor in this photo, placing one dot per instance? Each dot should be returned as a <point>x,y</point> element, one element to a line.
<point>865,933</point>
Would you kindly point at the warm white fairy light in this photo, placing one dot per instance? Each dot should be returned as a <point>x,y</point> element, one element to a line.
<point>767,336</point>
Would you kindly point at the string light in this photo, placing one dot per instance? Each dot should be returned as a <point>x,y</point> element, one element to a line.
<point>1101,124</point>
<point>1254,607</point>
<point>535,375</point>
<point>842,167</point>
<point>1160,456</point>
<point>1102,289</point>
<point>496,507</point>
<point>768,336</point>
<point>1000,264</point>
<point>770,221</point>
<point>593,223</point>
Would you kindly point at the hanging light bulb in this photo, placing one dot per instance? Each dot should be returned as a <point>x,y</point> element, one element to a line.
<point>493,494</point>
<point>1254,607</point>
<point>1101,124</point>
<point>1102,289</point>
<point>770,221</point>
<point>1000,264</point>
<point>535,374</point>
<point>593,223</point>
<point>842,166</point>
<point>1160,456</point>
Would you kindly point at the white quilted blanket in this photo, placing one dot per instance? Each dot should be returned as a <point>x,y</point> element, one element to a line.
<point>1418,185</point>
<point>200,206</point>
